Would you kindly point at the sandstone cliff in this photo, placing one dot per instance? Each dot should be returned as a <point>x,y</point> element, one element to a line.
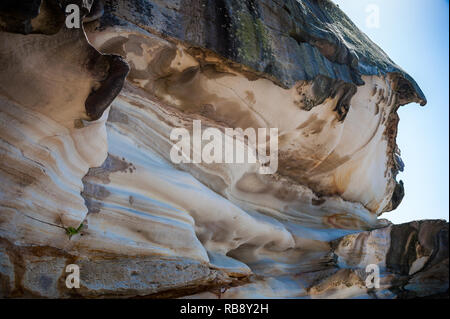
<point>86,175</point>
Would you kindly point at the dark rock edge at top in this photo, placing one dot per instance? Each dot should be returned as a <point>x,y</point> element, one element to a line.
<point>284,40</point>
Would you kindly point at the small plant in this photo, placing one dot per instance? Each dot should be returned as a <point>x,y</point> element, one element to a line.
<point>71,231</point>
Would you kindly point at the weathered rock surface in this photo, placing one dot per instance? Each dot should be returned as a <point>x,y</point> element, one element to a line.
<point>86,117</point>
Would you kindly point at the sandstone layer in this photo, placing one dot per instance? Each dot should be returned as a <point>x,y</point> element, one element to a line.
<point>87,178</point>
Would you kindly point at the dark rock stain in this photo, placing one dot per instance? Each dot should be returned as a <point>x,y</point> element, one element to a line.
<point>318,202</point>
<point>313,125</point>
<point>110,165</point>
<point>397,195</point>
<point>115,116</point>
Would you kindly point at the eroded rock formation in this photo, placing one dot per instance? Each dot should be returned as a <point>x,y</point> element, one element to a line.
<point>87,179</point>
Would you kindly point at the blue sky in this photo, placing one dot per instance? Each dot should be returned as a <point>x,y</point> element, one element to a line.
<point>414,33</point>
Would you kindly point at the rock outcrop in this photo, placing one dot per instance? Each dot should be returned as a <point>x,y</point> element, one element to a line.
<point>87,177</point>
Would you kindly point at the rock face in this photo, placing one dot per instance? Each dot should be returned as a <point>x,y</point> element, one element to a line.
<point>87,177</point>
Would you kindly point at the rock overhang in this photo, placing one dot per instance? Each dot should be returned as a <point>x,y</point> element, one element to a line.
<point>225,218</point>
